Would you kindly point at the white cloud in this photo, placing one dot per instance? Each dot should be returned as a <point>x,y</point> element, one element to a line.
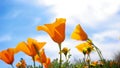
<point>87,11</point>
<point>5,38</point>
<point>107,34</point>
<point>116,25</point>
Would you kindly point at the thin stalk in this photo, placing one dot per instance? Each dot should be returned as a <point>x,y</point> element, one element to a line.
<point>60,56</point>
<point>89,59</point>
<point>33,61</point>
<point>84,60</point>
<point>99,52</point>
<point>66,57</point>
<point>97,49</point>
<point>12,65</point>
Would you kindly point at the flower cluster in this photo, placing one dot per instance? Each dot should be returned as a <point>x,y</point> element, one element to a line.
<point>35,49</point>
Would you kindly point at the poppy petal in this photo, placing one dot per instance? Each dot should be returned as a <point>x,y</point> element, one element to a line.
<point>79,34</point>
<point>7,55</point>
<point>56,30</point>
<point>47,28</point>
<point>3,56</point>
<point>22,46</point>
<point>43,56</point>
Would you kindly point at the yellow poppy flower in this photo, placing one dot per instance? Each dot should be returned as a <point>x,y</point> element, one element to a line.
<point>65,51</point>
<point>56,30</point>
<point>86,48</point>
<point>30,48</point>
<point>43,59</point>
<point>7,55</point>
<point>79,33</point>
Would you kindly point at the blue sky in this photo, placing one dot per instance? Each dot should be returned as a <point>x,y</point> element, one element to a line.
<point>100,19</point>
<point>19,20</point>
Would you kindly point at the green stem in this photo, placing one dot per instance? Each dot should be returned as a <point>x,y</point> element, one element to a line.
<point>99,52</point>
<point>97,49</point>
<point>60,56</point>
<point>84,60</point>
<point>89,59</point>
<point>12,65</point>
<point>66,57</point>
<point>33,61</point>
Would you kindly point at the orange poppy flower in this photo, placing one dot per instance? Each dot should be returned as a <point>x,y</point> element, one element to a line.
<point>56,30</point>
<point>21,64</point>
<point>7,55</point>
<point>18,65</point>
<point>46,65</point>
<point>79,34</point>
<point>43,59</point>
<point>30,48</point>
<point>86,47</point>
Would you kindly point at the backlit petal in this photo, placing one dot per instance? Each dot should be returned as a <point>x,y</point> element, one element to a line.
<point>43,56</point>
<point>46,65</point>
<point>49,28</point>
<point>22,46</point>
<point>79,34</point>
<point>37,58</point>
<point>3,56</point>
<point>56,30</point>
<point>11,52</point>
<point>7,55</point>
<point>48,61</point>
<point>84,46</point>
<point>32,46</point>
<point>35,46</point>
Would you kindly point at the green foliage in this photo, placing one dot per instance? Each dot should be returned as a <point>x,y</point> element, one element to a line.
<point>80,64</point>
